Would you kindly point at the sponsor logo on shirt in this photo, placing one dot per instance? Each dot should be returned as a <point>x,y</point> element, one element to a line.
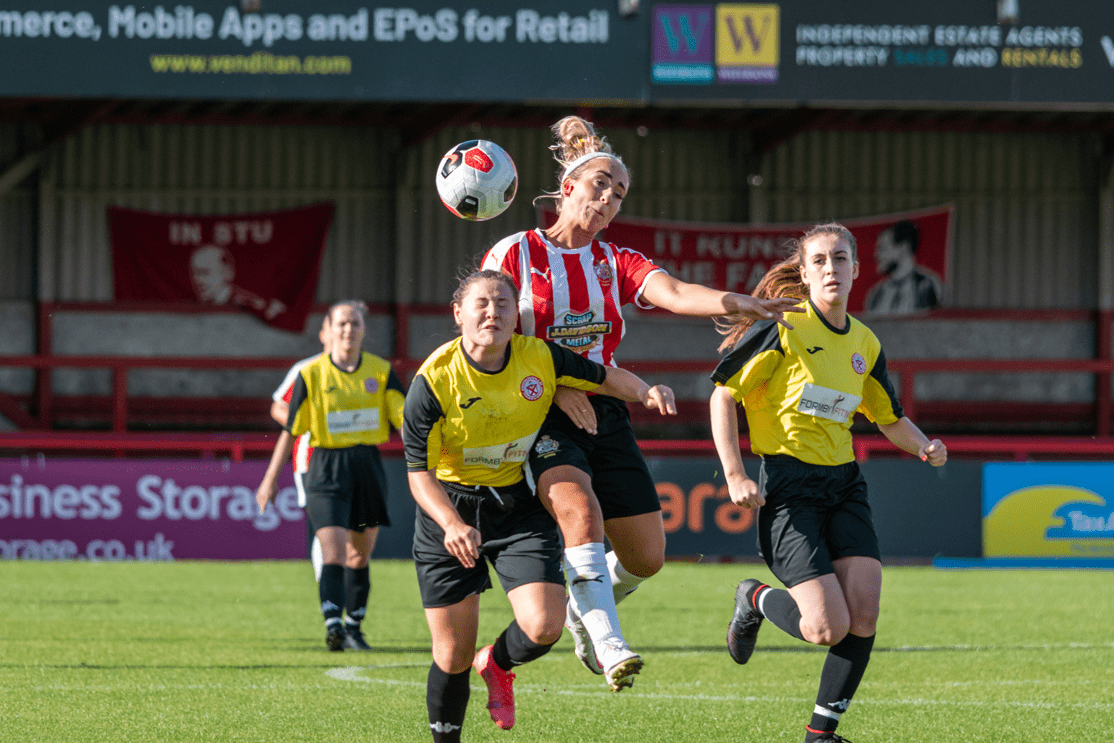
<point>495,456</point>
<point>578,332</point>
<point>531,388</point>
<point>825,403</point>
<point>353,421</point>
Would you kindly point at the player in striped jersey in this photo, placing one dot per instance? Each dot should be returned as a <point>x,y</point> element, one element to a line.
<point>801,388</point>
<point>347,400</point>
<point>572,289</point>
<point>474,409</point>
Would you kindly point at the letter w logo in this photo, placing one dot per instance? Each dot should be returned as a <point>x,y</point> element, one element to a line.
<point>756,37</point>
<point>692,30</point>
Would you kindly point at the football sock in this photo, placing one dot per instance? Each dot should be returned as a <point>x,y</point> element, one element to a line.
<point>590,591</point>
<point>843,670</point>
<point>514,647</point>
<point>331,591</point>
<point>623,582</point>
<point>446,699</point>
<point>357,587</point>
<point>779,607</point>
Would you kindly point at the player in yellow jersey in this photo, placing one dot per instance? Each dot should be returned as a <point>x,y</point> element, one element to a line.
<point>348,400</point>
<point>801,387</point>
<point>472,414</point>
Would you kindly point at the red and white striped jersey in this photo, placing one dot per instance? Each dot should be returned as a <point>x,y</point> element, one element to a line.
<point>573,297</point>
<point>302,449</point>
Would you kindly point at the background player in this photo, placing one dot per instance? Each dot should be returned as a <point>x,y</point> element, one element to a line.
<point>300,454</point>
<point>347,399</point>
<point>801,388</point>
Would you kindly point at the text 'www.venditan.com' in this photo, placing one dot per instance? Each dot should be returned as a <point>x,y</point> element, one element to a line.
<point>259,63</point>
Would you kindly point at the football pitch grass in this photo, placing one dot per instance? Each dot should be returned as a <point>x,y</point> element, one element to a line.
<point>208,651</point>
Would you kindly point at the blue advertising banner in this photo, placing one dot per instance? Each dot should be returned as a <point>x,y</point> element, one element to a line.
<point>1049,513</point>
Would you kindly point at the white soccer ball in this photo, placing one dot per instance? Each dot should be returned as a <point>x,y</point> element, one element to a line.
<point>477,180</point>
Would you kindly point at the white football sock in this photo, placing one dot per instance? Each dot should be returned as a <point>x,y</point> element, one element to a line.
<point>623,583</point>
<point>589,593</point>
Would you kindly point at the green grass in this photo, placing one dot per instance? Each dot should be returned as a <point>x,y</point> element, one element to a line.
<point>200,651</point>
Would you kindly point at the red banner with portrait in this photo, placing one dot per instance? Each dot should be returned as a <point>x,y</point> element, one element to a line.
<point>266,263</point>
<point>903,257</point>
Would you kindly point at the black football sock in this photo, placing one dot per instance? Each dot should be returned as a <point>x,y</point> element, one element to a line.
<point>843,670</point>
<point>779,607</point>
<point>331,590</point>
<point>513,648</point>
<point>446,700</point>
<point>357,587</point>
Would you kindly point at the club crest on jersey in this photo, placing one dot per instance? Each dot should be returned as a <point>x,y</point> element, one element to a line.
<point>546,447</point>
<point>858,363</point>
<point>531,388</point>
<point>371,385</point>
<point>603,272</point>
<point>579,332</point>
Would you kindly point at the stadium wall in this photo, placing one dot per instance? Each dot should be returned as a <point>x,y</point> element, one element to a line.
<point>1026,230</point>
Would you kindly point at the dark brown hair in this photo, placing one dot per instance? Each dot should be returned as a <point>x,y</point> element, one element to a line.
<point>480,275</point>
<point>783,280</point>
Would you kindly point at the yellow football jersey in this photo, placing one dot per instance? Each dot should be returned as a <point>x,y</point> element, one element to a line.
<point>802,387</point>
<point>340,408</point>
<point>476,427</point>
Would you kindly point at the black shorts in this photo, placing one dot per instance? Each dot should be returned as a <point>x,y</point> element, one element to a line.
<point>521,543</point>
<point>620,477</point>
<point>814,514</point>
<point>346,487</point>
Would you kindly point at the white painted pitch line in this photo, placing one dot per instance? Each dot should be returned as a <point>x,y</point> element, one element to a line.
<point>354,673</point>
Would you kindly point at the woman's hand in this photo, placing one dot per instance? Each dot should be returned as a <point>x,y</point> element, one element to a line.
<point>266,494</point>
<point>660,398</point>
<point>575,404</point>
<point>934,452</point>
<point>744,492</point>
<point>761,309</point>
<point>463,543</point>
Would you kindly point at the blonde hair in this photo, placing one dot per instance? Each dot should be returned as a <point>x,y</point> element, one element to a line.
<point>783,280</point>
<point>575,137</point>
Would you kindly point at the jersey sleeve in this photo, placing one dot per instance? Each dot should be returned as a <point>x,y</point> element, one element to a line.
<point>504,257</point>
<point>880,403</point>
<point>282,393</point>
<point>574,370</point>
<point>752,361</point>
<point>421,430</point>
<point>394,399</point>
<point>297,417</point>
<point>634,268</point>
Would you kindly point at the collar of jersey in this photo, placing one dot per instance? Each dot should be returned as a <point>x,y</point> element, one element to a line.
<point>345,371</point>
<point>542,235</point>
<point>828,325</point>
<point>477,367</point>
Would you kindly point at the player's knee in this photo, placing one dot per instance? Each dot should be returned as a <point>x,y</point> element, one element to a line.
<point>826,631</point>
<point>548,634</point>
<point>453,657</point>
<point>646,564</point>
<point>543,629</point>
